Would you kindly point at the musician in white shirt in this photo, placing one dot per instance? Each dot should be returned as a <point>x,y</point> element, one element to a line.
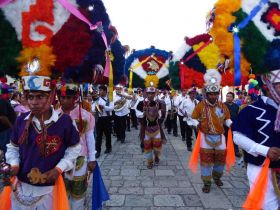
<point>190,124</point>
<point>121,112</point>
<point>104,122</point>
<point>179,102</point>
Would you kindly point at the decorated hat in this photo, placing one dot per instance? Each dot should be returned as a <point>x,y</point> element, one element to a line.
<point>67,88</point>
<point>212,79</point>
<point>234,23</point>
<point>193,58</point>
<point>146,66</point>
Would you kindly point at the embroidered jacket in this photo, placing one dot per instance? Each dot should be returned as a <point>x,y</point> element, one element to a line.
<point>212,117</point>
<point>254,131</point>
<point>61,134</point>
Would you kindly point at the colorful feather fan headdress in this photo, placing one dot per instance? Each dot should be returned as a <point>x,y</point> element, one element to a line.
<point>193,59</point>
<point>149,66</point>
<point>234,25</point>
<point>73,33</point>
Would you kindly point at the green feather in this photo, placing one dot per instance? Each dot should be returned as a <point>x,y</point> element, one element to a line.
<point>254,44</point>
<point>9,48</point>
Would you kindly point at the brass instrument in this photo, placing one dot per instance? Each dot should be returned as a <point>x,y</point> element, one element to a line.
<point>98,108</point>
<point>120,104</point>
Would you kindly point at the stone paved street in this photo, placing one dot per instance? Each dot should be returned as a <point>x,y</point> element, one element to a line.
<point>170,185</point>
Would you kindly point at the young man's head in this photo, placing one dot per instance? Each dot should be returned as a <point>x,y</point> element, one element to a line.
<point>212,97</point>
<point>102,90</point>
<point>151,93</point>
<point>68,102</point>
<point>184,92</point>
<point>38,101</point>
<point>230,97</point>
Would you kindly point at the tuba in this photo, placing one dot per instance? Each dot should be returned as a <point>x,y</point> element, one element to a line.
<point>120,104</point>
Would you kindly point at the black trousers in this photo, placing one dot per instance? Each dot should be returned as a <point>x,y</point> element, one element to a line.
<point>182,127</point>
<point>103,125</point>
<point>133,118</point>
<point>171,123</point>
<point>128,122</point>
<point>189,132</point>
<point>120,126</point>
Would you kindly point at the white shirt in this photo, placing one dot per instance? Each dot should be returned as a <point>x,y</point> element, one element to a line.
<point>167,101</point>
<point>125,109</point>
<point>188,107</point>
<point>179,102</point>
<point>102,101</point>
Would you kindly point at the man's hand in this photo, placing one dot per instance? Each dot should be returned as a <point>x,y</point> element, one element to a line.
<point>273,153</point>
<point>14,170</point>
<point>91,166</point>
<point>52,175</point>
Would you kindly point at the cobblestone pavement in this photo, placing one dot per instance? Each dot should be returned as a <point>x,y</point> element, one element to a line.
<point>170,185</point>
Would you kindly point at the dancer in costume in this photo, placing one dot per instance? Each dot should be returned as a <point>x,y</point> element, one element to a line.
<point>76,183</point>
<point>151,132</point>
<point>256,131</point>
<point>40,148</point>
<point>211,115</point>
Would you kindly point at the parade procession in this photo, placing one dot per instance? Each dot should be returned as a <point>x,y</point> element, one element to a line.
<point>89,121</point>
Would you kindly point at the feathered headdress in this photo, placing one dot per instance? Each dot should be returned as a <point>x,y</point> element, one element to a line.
<point>212,79</point>
<point>192,60</point>
<point>149,66</point>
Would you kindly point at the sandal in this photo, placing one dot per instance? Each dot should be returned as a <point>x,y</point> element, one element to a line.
<point>150,166</point>
<point>219,183</point>
<point>206,189</point>
<point>156,160</point>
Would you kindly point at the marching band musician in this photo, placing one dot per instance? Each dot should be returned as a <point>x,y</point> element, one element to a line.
<point>121,112</point>
<point>171,119</point>
<point>188,107</point>
<point>180,102</point>
<point>103,125</point>
<point>133,104</point>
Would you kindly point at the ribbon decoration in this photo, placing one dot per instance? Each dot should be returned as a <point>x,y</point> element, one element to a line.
<point>193,162</point>
<point>258,190</point>
<point>4,2</point>
<point>237,47</point>
<point>111,76</point>
<point>74,11</point>
<point>198,50</point>
<point>130,79</point>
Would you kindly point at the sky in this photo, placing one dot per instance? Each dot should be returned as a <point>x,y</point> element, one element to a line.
<point>162,23</point>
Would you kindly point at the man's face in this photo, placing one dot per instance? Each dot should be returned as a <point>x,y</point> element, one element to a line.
<point>37,101</point>
<point>67,102</point>
<point>184,92</point>
<point>229,98</point>
<point>151,96</point>
<point>192,95</point>
<point>212,97</point>
<point>277,87</point>
<point>102,93</point>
